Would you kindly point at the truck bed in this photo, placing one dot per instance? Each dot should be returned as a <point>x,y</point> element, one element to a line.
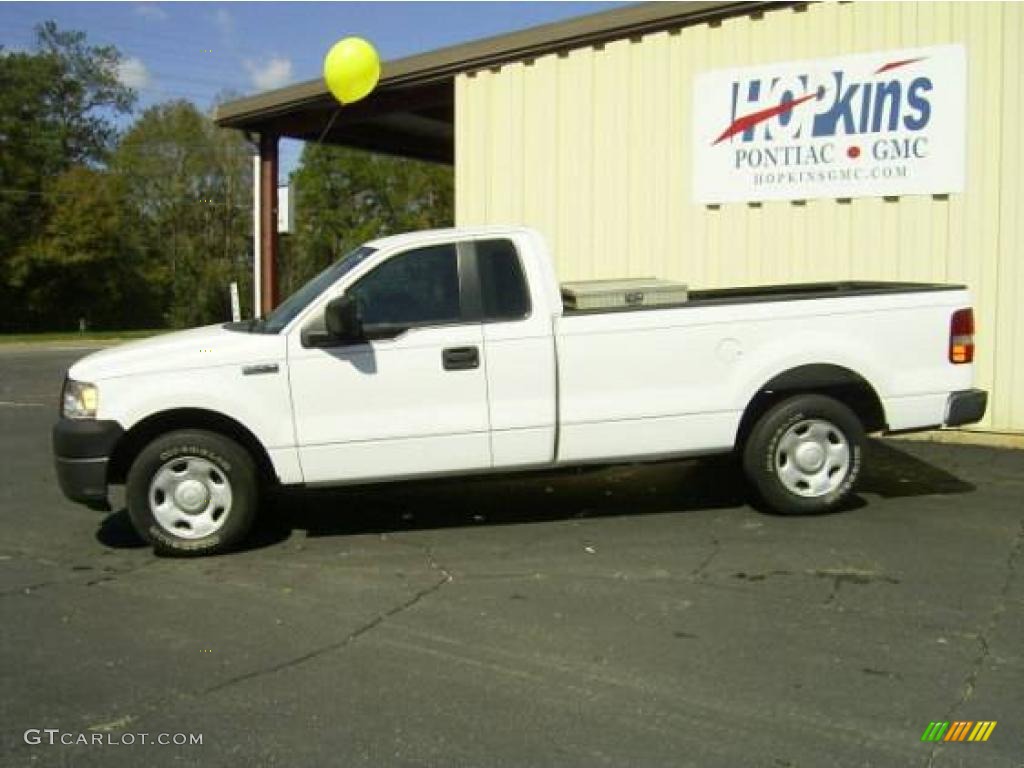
<point>785,292</point>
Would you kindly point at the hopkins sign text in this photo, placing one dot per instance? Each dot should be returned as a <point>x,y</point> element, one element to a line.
<point>886,123</point>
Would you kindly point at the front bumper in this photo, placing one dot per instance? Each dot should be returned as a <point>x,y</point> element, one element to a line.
<point>965,407</point>
<point>82,450</point>
<point>84,481</point>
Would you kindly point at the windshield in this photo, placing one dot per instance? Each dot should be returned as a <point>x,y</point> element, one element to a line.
<point>289,309</point>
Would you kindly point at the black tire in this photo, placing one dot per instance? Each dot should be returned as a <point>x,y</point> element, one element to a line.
<point>213,456</point>
<point>765,458</point>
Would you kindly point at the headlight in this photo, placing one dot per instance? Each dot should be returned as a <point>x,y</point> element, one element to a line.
<point>79,400</point>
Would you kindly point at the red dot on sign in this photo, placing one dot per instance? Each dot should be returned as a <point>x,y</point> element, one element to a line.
<point>853,153</point>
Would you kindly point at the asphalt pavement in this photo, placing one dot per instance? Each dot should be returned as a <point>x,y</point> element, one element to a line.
<point>632,616</point>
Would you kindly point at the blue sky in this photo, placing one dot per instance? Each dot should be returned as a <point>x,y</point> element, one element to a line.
<point>195,50</point>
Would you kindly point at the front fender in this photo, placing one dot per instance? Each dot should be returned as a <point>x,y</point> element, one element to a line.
<point>261,403</point>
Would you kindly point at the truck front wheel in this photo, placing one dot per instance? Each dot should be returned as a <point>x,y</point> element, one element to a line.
<point>804,454</point>
<point>192,492</point>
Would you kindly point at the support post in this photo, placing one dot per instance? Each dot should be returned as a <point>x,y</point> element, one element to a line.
<point>268,222</point>
<point>257,252</point>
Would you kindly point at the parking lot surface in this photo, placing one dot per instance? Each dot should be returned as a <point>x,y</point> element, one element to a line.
<point>632,616</point>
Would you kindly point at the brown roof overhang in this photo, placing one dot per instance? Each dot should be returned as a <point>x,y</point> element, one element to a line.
<point>420,86</point>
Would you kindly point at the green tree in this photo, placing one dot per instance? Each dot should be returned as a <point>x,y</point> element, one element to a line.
<point>345,197</point>
<point>86,263</point>
<point>29,154</point>
<point>58,108</point>
<point>190,185</point>
<point>85,93</point>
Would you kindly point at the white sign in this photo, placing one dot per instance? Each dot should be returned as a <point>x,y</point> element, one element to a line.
<point>285,210</point>
<point>886,123</point>
<point>236,308</point>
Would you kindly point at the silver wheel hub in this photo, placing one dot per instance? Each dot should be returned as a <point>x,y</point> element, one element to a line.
<point>812,458</point>
<point>190,497</point>
<point>809,456</point>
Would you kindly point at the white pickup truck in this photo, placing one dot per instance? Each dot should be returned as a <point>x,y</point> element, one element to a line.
<point>450,352</point>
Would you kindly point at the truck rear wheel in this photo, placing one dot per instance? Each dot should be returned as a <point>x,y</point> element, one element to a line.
<point>804,454</point>
<point>192,492</point>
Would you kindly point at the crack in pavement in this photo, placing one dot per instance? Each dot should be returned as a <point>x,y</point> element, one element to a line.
<point>984,649</point>
<point>144,709</point>
<point>698,572</point>
<point>841,576</point>
<point>351,637</point>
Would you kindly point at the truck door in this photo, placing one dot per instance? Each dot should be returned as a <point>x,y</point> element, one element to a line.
<point>520,355</point>
<point>413,401</point>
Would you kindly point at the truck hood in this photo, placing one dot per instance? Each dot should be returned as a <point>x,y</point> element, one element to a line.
<point>206,347</point>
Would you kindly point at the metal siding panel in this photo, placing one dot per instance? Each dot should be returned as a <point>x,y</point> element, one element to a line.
<point>661,188</point>
<point>692,263</point>
<point>639,146</point>
<point>516,156</point>
<point>1015,256</point>
<point>540,141</point>
<point>500,192</point>
<point>1008,408</point>
<point>648,140</point>
<point>612,104</point>
<point>730,43</point>
<point>758,47</point>
<point>594,149</point>
<point>574,241</point>
<point>987,81</point>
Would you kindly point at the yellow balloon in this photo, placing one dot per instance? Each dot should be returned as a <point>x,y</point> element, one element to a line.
<point>351,69</point>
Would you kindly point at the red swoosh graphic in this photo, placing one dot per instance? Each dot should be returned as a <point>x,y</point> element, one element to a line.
<point>897,64</point>
<point>740,124</point>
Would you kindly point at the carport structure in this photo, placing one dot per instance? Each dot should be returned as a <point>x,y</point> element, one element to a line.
<point>412,112</point>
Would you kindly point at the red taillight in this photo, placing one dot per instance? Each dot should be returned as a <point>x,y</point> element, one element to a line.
<point>961,336</point>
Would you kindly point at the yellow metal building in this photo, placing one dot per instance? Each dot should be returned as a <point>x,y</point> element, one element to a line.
<point>592,146</point>
<point>584,130</point>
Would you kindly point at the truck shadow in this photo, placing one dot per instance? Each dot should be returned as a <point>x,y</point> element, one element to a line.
<point>668,487</point>
<point>517,498</point>
<point>892,471</point>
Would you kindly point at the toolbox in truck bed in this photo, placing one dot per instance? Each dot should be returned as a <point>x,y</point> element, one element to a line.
<point>630,292</point>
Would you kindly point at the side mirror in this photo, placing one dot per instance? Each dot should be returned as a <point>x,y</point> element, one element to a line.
<point>344,319</point>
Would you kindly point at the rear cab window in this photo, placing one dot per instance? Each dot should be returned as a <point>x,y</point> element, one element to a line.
<point>504,293</point>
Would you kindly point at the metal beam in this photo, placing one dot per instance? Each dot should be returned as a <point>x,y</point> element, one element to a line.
<point>313,120</point>
<point>268,222</point>
<point>387,141</point>
<point>257,226</point>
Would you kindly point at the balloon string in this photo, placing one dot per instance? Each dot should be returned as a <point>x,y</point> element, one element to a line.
<point>329,124</point>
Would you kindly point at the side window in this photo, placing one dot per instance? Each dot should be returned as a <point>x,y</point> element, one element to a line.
<point>503,287</point>
<point>419,287</point>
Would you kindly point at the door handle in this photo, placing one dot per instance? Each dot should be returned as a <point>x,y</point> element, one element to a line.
<point>460,358</point>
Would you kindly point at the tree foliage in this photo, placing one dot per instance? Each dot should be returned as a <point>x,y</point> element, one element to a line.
<point>84,93</point>
<point>149,226</point>
<point>29,155</point>
<point>87,262</point>
<point>58,108</point>
<point>190,185</point>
